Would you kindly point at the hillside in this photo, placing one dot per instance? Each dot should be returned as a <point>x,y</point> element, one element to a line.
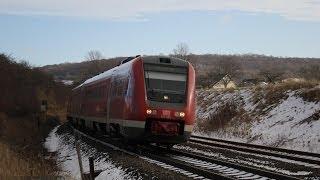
<point>210,68</point>
<point>24,87</point>
<point>23,126</point>
<point>285,115</point>
<point>77,72</point>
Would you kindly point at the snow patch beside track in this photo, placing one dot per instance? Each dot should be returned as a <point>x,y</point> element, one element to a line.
<point>63,146</point>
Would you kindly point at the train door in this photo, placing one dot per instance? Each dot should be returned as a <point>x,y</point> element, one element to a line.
<point>114,106</point>
<point>106,91</point>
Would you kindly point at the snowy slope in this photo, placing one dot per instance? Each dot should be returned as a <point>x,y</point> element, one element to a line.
<point>290,125</point>
<point>292,122</point>
<point>68,160</point>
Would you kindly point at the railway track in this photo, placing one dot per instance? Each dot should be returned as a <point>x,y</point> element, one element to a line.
<point>302,156</point>
<point>222,168</point>
<point>191,165</point>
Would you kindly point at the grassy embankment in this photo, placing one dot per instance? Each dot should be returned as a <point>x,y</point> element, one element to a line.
<point>231,112</point>
<point>23,128</point>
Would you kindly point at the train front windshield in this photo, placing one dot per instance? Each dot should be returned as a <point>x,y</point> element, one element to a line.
<point>167,87</point>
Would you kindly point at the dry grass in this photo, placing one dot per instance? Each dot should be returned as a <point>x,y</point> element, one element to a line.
<point>220,118</point>
<point>21,150</point>
<point>273,93</point>
<point>228,90</point>
<point>311,95</point>
<point>15,164</point>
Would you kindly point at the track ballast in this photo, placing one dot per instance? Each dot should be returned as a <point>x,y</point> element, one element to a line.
<point>192,165</point>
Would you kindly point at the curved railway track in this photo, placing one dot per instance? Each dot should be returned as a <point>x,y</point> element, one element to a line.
<point>302,156</point>
<point>192,165</point>
<point>224,168</point>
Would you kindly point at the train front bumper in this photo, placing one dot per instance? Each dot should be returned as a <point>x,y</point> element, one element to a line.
<point>144,133</point>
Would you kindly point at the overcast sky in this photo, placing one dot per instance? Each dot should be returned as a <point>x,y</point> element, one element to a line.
<point>49,32</point>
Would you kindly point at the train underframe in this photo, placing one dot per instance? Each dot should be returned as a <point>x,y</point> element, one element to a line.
<point>148,132</point>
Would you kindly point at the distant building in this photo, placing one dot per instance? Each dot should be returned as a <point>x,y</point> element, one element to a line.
<point>226,80</point>
<point>293,80</point>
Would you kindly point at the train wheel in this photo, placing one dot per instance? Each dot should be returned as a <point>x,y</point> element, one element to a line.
<point>169,146</point>
<point>115,130</point>
<point>94,128</point>
<point>82,124</point>
<point>102,128</point>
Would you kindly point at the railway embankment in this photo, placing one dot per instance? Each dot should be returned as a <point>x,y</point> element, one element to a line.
<point>285,115</point>
<point>112,158</point>
<point>31,105</point>
<point>21,147</point>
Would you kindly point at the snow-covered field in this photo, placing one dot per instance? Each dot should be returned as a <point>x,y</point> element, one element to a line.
<point>67,158</point>
<point>292,122</point>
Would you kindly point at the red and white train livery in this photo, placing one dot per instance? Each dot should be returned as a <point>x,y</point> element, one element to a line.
<point>149,99</point>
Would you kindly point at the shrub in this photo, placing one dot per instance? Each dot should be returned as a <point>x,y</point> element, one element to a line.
<point>273,93</point>
<point>311,95</point>
<point>219,118</point>
<point>22,86</point>
<point>23,164</point>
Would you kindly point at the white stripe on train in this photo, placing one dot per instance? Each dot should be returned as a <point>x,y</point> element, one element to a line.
<point>122,122</point>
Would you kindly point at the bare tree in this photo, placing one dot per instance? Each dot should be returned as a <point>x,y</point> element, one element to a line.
<point>227,68</point>
<point>310,72</point>
<point>271,73</point>
<point>94,68</point>
<point>270,76</point>
<point>94,55</point>
<point>182,51</point>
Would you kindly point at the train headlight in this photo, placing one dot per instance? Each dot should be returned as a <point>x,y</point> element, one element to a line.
<point>149,111</point>
<point>179,114</point>
<point>153,112</point>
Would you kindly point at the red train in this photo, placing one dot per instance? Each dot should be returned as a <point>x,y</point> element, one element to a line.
<point>149,99</point>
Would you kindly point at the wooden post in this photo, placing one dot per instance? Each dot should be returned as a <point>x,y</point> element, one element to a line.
<point>79,156</point>
<point>91,165</point>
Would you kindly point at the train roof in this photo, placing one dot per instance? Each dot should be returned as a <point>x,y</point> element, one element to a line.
<point>148,59</point>
<point>165,60</point>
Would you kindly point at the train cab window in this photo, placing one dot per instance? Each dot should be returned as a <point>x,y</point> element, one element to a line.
<point>166,86</point>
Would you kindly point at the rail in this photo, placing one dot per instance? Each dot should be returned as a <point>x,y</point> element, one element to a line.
<point>192,165</point>
<point>308,157</point>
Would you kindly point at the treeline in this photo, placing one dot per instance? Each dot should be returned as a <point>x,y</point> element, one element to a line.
<point>252,69</point>
<point>243,69</point>
<point>78,72</point>
<point>23,88</point>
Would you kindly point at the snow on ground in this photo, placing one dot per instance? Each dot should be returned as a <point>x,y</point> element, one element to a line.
<point>220,134</point>
<point>209,104</point>
<point>246,96</point>
<point>216,100</point>
<point>67,82</point>
<point>287,124</point>
<point>252,162</point>
<point>68,160</point>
